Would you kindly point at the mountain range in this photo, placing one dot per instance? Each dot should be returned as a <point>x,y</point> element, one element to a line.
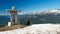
<point>47,16</point>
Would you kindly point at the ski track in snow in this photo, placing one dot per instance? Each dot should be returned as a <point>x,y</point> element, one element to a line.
<point>36,29</point>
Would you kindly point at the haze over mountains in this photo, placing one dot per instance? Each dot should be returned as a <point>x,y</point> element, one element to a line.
<point>47,16</point>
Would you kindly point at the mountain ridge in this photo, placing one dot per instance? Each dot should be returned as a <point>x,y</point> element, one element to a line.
<point>36,18</point>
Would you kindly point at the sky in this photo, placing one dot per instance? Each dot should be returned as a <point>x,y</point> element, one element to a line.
<point>28,5</point>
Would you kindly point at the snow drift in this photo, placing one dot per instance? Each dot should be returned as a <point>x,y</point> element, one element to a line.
<point>36,29</point>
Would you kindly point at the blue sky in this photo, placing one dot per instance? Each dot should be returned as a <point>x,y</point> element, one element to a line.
<point>29,5</point>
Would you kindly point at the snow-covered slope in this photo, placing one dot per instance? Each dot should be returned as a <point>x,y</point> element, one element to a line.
<point>48,11</point>
<point>52,11</point>
<point>36,29</point>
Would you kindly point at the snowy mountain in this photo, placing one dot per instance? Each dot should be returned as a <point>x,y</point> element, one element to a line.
<point>45,22</point>
<point>54,11</point>
<point>47,16</point>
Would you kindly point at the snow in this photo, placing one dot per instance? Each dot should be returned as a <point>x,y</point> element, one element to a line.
<point>52,11</point>
<point>36,29</point>
<point>40,12</point>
